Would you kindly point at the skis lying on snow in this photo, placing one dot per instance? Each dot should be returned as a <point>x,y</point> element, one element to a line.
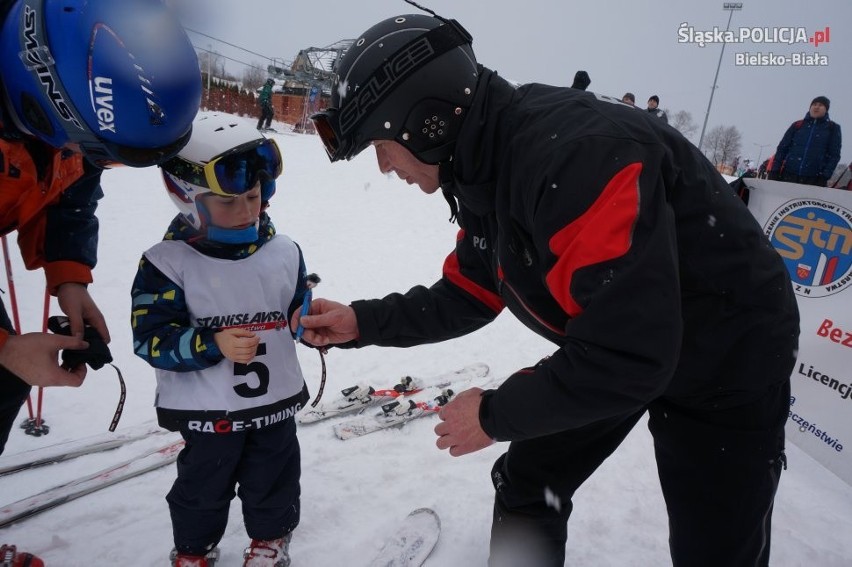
<point>412,541</point>
<point>72,449</point>
<point>74,489</point>
<point>360,397</point>
<point>393,414</point>
<point>401,410</point>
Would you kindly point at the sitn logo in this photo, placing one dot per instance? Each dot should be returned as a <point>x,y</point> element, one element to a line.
<point>104,109</point>
<point>815,240</point>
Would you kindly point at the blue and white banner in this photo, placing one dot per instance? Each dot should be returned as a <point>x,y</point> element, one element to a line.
<point>811,227</point>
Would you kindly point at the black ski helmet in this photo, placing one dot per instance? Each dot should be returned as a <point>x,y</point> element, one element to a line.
<point>409,79</point>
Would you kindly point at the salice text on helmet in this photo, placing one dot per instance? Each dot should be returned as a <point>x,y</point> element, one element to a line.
<point>383,81</point>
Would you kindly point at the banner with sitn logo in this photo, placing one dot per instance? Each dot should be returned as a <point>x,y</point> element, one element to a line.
<point>811,228</point>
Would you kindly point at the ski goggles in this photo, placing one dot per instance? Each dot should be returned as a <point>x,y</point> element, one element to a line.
<point>327,125</point>
<point>234,172</point>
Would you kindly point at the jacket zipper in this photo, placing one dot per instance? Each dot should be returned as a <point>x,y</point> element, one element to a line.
<point>530,312</point>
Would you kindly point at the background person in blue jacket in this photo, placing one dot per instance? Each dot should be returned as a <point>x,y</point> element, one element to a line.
<point>810,148</point>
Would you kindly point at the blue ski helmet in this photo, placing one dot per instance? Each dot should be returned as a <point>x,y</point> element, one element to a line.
<point>119,78</point>
<point>409,79</point>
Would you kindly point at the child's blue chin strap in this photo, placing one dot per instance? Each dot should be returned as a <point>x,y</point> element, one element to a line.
<point>245,235</point>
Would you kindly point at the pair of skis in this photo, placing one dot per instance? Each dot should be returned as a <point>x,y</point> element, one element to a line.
<point>411,399</point>
<point>53,497</point>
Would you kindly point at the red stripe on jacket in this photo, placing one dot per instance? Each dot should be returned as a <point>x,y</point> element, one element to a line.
<point>452,271</point>
<point>602,233</point>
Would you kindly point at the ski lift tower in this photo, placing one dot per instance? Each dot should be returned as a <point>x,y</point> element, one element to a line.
<point>314,69</point>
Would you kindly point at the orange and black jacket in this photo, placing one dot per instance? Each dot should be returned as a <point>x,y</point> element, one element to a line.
<point>605,231</point>
<point>49,197</point>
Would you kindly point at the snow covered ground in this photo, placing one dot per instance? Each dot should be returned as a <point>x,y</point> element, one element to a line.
<point>365,235</point>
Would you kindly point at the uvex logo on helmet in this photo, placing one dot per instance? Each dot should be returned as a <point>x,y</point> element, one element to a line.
<point>103,104</point>
<point>38,58</point>
<point>391,73</point>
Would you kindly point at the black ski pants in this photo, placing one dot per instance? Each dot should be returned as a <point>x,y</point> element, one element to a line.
<point>13,391</point>
<point>266,113</point>
<point>719,471</point>
<point>265,463</point>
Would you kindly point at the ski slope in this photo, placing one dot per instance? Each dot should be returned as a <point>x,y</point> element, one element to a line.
<point>366,235</point>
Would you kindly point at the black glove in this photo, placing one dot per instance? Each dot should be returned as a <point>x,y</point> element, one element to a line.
<point>95,356</point>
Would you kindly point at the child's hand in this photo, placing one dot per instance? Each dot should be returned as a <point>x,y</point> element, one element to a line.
<point>238,345</point>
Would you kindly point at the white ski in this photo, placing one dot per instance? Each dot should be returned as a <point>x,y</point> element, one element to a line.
<point>74,489</point>
<point>412,542</point>
<point>72,449</point>
<point>393,414</point>
<point>358,398</point>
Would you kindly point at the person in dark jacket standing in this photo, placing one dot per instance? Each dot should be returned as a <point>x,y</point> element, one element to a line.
<point>810,148</point>
<point>590,223</point>
<point>265,101</point>
<point>653,108</point>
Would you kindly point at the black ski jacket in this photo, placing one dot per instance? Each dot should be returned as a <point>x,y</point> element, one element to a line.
<point>607,232</point>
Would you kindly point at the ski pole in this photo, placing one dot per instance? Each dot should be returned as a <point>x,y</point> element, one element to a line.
<point>13,299</point>
<point>38,422</point>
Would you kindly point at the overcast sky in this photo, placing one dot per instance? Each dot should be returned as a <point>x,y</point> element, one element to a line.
<point>625,46</point>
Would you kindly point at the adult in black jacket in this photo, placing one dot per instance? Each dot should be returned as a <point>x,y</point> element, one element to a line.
<point>608,233</point>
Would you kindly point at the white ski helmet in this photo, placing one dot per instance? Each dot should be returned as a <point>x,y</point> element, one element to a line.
<point>225,156</point>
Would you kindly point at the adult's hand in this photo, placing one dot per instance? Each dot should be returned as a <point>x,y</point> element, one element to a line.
<point>459,430</point>
<point>78,305</point>
<point>329,323</point>
<point>33,357</point>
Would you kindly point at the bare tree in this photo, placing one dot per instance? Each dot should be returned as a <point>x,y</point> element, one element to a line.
<point>722,144</point>
<point>211,62</point>
<point>253,77</point>
<point>682,121</point>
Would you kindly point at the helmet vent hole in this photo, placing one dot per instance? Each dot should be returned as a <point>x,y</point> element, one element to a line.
<point>400,20</point>
<point>387,125</point>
